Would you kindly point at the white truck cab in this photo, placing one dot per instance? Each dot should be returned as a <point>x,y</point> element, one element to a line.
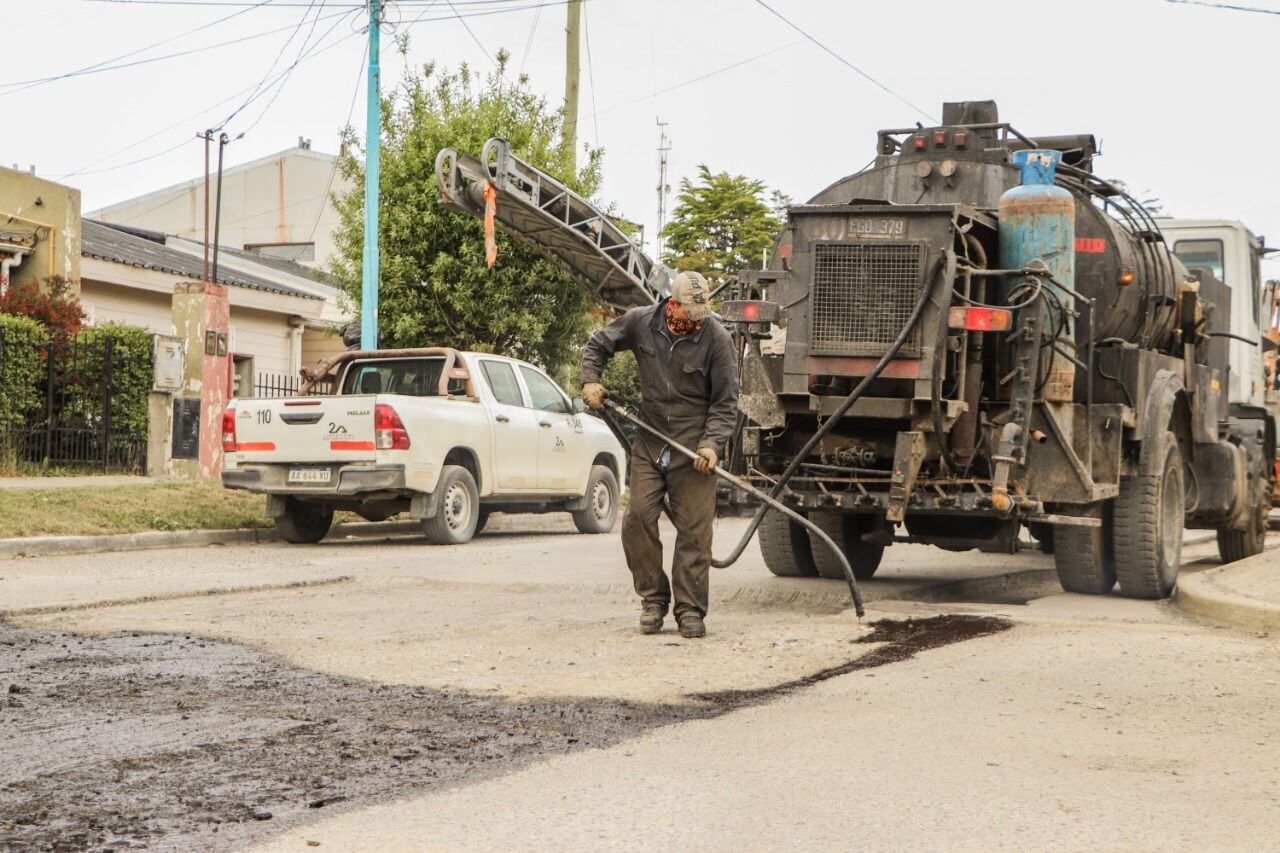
<point>1232,254</point>
<point>445,436</point>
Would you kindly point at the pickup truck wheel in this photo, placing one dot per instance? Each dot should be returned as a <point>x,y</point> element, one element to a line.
<point>1147,520</point>
<point>303,523</point>
<point>482,519</point>
<point>1237,544</point>
<point>602,503</point>
<point>455,520</point>
<point>785,547</point>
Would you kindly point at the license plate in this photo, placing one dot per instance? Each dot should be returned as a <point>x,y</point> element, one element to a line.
<point>878,226</point>
<point>310,475</point>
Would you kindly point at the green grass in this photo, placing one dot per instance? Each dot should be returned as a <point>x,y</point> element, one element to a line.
<point>94,510</point>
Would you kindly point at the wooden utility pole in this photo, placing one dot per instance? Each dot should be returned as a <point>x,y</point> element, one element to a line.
<point>571,30</point>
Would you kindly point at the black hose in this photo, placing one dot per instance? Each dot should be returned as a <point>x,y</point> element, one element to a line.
<point>844,406</point>
<point>814,530</point>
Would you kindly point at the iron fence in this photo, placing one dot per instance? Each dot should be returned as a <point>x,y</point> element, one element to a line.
<point>276,385</point>
<point>63,404</point>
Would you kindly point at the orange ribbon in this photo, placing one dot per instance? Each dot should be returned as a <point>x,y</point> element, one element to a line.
<point>490,212</point>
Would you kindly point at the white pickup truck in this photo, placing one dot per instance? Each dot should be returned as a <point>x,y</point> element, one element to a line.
<point>445,436</point>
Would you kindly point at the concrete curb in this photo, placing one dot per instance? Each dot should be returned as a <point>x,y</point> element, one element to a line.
<point>1203,594</point>
<point>54,546</point>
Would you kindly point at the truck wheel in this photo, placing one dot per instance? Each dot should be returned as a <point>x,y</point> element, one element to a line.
<point>481,520</point>
<point>785,547</point>
<point>1237,544</point>
<point>864,557</point>
<point>1082,558</point>
<point>1147,527</point>
<point>1043,534</point>
<point>459,509</point>
<point>602,503</point>
<point>303,523</point>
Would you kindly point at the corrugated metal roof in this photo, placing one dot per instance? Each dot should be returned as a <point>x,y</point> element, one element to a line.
<point>103,241</point>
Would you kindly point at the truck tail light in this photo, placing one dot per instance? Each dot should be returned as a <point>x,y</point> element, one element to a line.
<point>388,430</point>
<point>974,319</point>
<point>940,138</point>
<point>229,430</point>
<point>918,142</point>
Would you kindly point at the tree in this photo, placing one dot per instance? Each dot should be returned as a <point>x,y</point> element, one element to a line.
<point>435,289</point>
<point>722,223</point>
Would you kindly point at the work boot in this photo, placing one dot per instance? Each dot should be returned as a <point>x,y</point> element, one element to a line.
<point>651,615</point>
<point>692,627</point>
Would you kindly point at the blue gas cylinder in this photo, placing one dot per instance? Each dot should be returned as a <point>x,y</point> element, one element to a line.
<point>1038,224</point>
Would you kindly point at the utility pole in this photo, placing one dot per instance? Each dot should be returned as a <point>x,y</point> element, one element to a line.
<point>372,169</point>
<point>571,30</point>
<point>207,136</point>
<point>664,188</point>
<point>223,139</point>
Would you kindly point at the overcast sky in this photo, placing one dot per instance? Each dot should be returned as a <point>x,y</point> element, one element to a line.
<point>1180,96</point>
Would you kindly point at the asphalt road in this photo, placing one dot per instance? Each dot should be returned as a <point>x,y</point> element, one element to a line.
<point>1090,723</point>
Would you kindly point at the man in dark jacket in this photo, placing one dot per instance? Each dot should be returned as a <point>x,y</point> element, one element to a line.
<point>689,382</point>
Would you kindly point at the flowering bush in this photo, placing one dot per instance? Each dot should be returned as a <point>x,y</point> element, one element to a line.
<point>52,306</point>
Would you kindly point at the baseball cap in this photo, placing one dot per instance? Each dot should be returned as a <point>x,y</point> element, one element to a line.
<point>693,293</point>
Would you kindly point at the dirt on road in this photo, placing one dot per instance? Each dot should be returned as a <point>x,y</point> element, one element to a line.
<point>173,741</point>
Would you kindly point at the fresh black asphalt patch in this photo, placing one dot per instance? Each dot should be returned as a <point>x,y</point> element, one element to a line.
<point>157,740</point>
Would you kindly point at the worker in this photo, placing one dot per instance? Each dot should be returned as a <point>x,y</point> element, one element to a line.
<point>689,386</point>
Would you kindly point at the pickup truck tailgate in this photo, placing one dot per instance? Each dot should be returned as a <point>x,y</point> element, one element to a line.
<point>305,429</point>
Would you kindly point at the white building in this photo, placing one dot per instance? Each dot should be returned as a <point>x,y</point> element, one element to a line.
<point>277,206</point>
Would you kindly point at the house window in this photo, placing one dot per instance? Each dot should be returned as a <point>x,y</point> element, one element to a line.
<point>283,251</point>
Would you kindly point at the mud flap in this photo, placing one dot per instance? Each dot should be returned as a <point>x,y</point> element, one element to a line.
<point>908,454</point>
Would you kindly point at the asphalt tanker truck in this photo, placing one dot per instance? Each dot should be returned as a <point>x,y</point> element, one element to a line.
<point>974,336</point>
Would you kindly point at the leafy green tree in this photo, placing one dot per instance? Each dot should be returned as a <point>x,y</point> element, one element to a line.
<point>722,223</point>
<point>435,289</point>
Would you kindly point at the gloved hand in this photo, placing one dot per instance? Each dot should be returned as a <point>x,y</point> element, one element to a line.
<point>593,395</point>
<point>706,461</point>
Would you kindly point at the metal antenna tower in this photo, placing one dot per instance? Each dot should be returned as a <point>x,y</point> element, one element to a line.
<point>664,188</point>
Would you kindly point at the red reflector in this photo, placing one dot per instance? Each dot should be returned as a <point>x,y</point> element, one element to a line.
<point>302,402</point>
<point>940,138</point>
<point>919,142</point>
<point>388,430</point>
<point>751,311</point>
<point>338,444</point>
<point>251,446</point>
<point>229,430</point>
<point>976,319</point>
<point>1091,245</point>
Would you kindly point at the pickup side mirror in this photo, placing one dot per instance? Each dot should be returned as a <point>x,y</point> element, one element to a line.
<point>579,406</point>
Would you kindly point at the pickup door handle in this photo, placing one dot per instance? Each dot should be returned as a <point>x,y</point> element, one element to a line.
<point>503,419</point>
<point>545,424</point>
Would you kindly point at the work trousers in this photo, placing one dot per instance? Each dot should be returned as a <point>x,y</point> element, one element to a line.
<point>693,505</point>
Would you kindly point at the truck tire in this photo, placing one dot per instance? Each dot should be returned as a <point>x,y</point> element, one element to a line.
<point>602,503</point>
<point>481,520</point>
<point>785,547</point>
<point>1147,522</point>
<point>1082,559</point>
<point>1237,544</point>
<point>303,523</point>
<point>864,557</point>
<point>455,520</point>
<point>1043,534</point>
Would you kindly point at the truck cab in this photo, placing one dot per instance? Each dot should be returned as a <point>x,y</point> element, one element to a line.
<point>1231,253</point>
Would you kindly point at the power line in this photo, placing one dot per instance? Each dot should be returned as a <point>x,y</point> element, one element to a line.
<point>279,55</point>
<point>334,171</point>
<point>529,42</point>
<point>1230,7</point>
<point>841,59</point>
<point>27,84</point>
<point>698,79</point>
<point>85,72</point>
<point>479,44</point>
<point>591,74</point>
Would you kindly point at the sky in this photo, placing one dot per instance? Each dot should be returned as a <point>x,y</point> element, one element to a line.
<point>1179,95</point>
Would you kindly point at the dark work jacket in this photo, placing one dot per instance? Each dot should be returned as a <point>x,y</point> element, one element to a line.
<point>689,382</point>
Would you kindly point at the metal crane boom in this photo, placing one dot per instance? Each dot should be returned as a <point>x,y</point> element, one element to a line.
<point>537,209</point>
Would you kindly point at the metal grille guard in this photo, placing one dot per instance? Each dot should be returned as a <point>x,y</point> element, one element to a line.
<point>535,208</point>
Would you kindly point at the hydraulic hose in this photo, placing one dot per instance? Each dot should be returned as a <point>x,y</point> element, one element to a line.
<point>947,258</point>
<point>768,500</point>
